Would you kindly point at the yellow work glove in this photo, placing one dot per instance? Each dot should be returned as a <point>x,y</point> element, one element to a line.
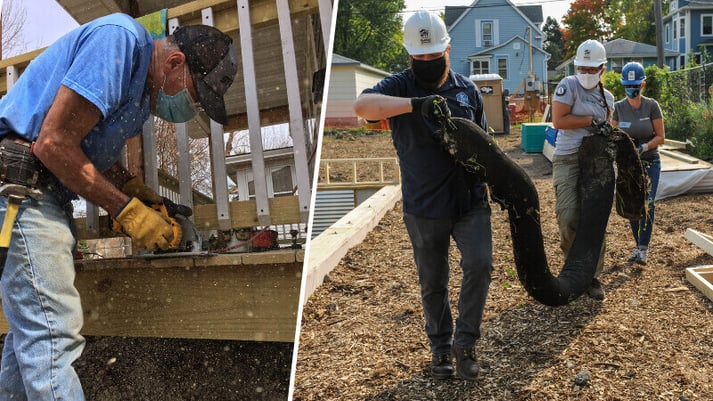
<point>134,187</point>
<point>147,227</point>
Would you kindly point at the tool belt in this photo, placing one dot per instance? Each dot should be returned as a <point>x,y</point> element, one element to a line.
<point>17,163</point>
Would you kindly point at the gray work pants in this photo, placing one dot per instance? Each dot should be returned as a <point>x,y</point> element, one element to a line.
<point>430,239</point>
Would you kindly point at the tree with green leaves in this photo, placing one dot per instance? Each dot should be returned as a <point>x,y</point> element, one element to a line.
<point>636,25</point>
<point>553,42</point>
<point>585,20</point>
<point>370,31</point>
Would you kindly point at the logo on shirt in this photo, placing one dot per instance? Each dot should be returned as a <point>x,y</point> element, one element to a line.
<point>462,99</point>
<point>561,90</point>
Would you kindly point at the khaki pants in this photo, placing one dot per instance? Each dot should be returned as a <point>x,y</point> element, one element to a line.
<point>565,177</point>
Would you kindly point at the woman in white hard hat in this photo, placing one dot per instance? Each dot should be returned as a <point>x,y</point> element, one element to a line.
<point>579,102</point>
<point>641,118</point>
<point>440,200</point>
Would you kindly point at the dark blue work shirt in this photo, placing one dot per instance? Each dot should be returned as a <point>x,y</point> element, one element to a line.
<point>432,185</point>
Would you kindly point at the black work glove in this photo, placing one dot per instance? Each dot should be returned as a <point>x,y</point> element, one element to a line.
<point>174,208</point>
<point>602,127</point>
<point>434,107</point>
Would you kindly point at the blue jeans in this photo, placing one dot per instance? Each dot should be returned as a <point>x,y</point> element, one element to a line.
<point>430,239</point>
<point>642,228</point>
<point>41,305</point>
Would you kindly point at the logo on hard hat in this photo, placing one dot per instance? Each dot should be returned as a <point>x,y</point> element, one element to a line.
<point>425,36</point>
<point>632,75</point>
<point>587,54</point>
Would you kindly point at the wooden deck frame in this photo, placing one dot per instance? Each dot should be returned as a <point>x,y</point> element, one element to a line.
<point>701,276</point>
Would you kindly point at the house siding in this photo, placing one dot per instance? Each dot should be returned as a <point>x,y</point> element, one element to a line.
<point>345,84</point>
<point>507,23</point>
<point>690,13</point>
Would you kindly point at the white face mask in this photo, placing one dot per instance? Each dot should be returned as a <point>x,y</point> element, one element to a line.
<point>588,81</point>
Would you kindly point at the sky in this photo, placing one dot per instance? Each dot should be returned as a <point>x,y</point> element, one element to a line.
<point>550,8</point>
<point>46,22</point>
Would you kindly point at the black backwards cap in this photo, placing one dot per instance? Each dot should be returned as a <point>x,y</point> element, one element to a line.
<point>212,63</point>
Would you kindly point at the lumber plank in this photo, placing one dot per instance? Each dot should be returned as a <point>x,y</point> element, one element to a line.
<point>328,248</point>
<point>283,210</point>
<point>703,241</point>
<point>702,278</point>
<point>679,156</point>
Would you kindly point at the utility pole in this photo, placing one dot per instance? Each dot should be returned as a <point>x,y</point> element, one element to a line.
<point>658,20</point>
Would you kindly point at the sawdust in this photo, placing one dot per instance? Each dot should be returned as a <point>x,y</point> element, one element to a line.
<point>362,332</point>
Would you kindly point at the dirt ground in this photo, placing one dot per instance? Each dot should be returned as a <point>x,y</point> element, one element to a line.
<point>162,369</point>
<point>362,334</point>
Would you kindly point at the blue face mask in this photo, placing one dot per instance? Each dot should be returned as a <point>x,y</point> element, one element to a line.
<point>632,93</point>
<point>178,108</point>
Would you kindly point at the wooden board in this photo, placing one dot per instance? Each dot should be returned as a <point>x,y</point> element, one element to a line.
<point>702,278</point>
<point>328,248</point>
<point>703,241</point>
<point>283,210</point>
<point>247,297</point>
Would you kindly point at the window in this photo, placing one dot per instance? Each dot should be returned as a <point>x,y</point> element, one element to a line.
<point>707,25</point>
<point>675,31</point>
<point>279,182</point>
<point>682,28</point>
<point>668,33</point>
<point>503,67</point>
<point>480,67</point>
<point>282,181</point>
<point>487,31</point>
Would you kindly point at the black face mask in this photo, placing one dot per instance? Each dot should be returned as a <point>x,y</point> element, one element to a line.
<point>429,73</point>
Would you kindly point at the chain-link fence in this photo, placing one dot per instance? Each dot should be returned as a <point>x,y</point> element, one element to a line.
<point>693,84</point>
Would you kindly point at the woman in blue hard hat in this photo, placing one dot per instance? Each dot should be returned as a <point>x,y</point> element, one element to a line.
<point>641,118</point>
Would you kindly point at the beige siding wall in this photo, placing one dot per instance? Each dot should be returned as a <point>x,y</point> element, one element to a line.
<point>345,84</point>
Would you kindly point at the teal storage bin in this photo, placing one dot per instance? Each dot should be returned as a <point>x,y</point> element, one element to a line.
<point>533,136</point>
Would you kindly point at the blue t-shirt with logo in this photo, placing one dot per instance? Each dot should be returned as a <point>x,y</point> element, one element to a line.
<point>106,61</point>
<point>433,186</point>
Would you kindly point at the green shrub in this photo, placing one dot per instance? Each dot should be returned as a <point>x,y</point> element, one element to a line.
<point>703,134</point>
<point>612,81</point>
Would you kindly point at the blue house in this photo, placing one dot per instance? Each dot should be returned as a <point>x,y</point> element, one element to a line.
<point>688,31</point>
<point>497,37</point>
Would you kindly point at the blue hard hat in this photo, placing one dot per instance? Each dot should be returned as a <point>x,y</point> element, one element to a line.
<point>632,74</point>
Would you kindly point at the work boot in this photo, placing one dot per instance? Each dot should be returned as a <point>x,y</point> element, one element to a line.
<point>595,290</point>
<point>466,363</point>
<point>442,366</point>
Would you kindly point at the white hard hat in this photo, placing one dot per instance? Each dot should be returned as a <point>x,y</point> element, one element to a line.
<point>425,33</point>
<point>590,53</point>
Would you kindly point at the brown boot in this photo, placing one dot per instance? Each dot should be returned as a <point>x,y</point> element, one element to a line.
<point>466,363</point>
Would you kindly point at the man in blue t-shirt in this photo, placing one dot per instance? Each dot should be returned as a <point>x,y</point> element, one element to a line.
<point>68,116</point>
<point>440,199</point>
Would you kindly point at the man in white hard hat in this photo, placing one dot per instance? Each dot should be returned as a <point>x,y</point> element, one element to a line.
<point>440,199</point>
<point>580,100</point>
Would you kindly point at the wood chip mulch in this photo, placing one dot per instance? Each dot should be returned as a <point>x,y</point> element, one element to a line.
<point>362,334</point>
